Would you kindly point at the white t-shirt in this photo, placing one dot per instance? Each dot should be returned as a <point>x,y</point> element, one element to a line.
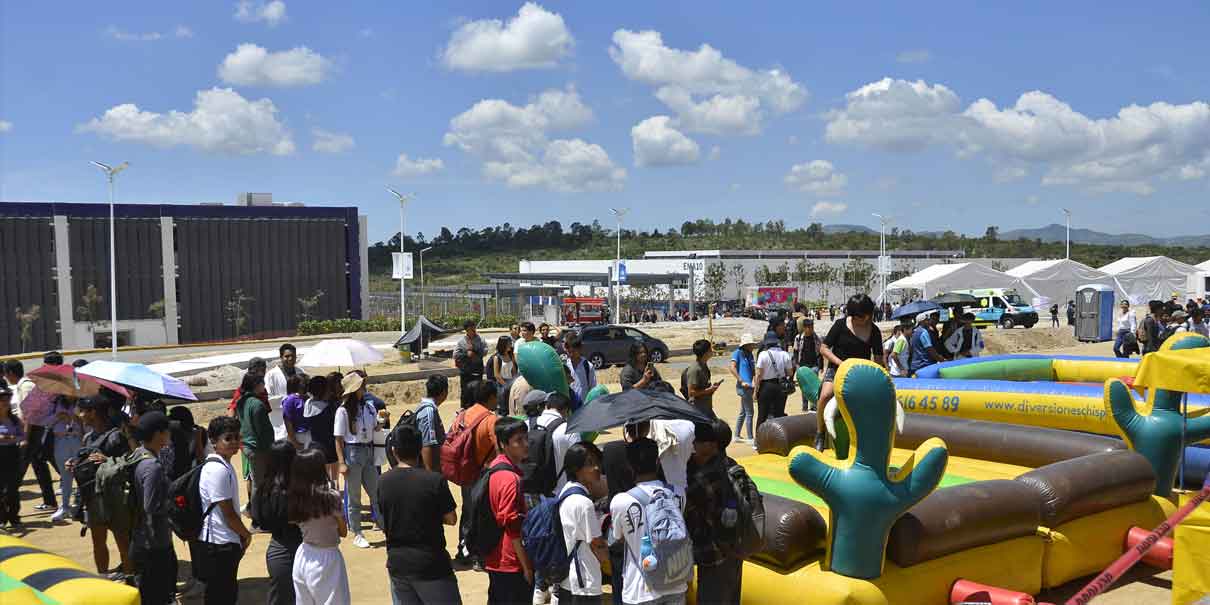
<point>581,524</point>
<point>367,420</point>
<point>275,386</point>
<point>216,484</point>
<point>773,363</point>
<point>628,525</point>
<point>675,439</point>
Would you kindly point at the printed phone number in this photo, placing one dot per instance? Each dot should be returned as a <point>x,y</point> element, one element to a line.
<point>930,403</point>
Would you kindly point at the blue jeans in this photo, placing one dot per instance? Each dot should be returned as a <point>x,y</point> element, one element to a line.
<point>362,474</point>
<point>65,449</point>
<point>745,411</point>
<point>1120,341</point>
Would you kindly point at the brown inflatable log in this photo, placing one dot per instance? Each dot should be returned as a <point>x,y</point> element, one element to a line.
<point>780,435</point>
<point>999,442</point>
<point>794,532</point>
<point>965,516</point>
<point>1090,484</point>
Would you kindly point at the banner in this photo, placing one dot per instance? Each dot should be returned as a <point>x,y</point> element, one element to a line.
<point>772,297</point>
<point>401,265</point>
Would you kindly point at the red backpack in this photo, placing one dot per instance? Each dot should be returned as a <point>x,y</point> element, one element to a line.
<point>459,462</point>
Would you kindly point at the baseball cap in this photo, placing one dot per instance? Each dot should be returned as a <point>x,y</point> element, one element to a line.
<point>151,423</point>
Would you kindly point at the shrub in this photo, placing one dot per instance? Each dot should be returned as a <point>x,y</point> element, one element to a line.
<point>387,324</point>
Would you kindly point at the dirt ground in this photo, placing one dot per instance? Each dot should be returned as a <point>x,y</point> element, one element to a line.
<point>366,568</point>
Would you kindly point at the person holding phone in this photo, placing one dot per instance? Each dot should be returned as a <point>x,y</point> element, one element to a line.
<point>639,372</point>
<point>699,389</point>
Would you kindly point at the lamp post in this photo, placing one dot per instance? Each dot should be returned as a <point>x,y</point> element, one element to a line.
<point>1067,214</point>
<point>422,309</point>
<point>403,307</point>
<point>110,172</point>
<point>881,255</point>
<point>617,265</point>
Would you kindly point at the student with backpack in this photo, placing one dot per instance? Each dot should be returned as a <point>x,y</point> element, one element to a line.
<point>256,430</point>
<point>468,446</point>
<point>416,503</point>
<point>319,572</point>
<point>712,514</point>
<point>271,512</point>
<point>102,440</point>
<point>581,526</point>
<point>223,537</point>
<point>548,442</point>
<point>428,421</point>
<point>494,525</point>
<point>648,521</point>
<point>150,537</point>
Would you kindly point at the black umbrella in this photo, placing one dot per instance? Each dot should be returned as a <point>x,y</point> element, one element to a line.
<point>634,405</point>
<point>953,299</point>
<point>914,308</point>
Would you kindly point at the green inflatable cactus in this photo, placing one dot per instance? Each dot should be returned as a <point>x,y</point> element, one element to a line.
<point>1156,434</point>
<point>541,366</point>
<point>864,499</point>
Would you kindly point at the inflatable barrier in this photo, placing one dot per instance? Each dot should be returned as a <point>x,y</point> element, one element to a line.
<point>32,576</point>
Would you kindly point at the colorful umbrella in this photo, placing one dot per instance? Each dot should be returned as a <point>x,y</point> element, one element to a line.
<point>65,380</point>
<point>139,376</point>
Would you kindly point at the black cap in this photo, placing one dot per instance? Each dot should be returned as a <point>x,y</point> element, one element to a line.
<point>151,423</point>
<point>4,390</point>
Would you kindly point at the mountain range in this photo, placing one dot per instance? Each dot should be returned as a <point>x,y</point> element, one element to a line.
<point>1057,233</point>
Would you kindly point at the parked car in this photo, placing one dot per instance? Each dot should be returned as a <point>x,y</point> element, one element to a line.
<point>610,345</point>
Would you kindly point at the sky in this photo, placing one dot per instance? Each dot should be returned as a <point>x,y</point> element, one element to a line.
<point>942,115</point>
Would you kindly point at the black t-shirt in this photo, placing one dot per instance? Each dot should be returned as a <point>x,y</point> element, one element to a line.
<point>412,502</point>
<point>846,345</point>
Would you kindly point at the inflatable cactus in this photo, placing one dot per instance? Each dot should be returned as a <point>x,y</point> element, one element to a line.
<point>1156,433</point>
<point>541,366</point>
<point>864,499</point>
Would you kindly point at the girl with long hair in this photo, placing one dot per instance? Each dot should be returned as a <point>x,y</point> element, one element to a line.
<point>271,512</point>
<point>354,428</point>
<point>256,430</point>
<point>319,569</point>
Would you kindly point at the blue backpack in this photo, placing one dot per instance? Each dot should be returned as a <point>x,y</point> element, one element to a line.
<point>542,537</point>
<point>665,557</point>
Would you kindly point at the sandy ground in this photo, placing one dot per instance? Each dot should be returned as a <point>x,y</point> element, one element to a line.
<point>366,568</point>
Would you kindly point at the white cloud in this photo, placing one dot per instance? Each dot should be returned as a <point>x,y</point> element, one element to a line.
<point>407,167</point>
<point>331,142</point>
<point>513,143</point>
<point>817,177</point>
<point>535,38</point>
<point>917,55</point>
<point>221,121</point>
<point>5,126</point>
<point>250,11</point>
<point>1125,152</point>
<point>828,208</point>
<point>709,92</point>
<point>252,65</point>
<point>1188,172</point>
<point>658,144</point>
<point>124,36</point>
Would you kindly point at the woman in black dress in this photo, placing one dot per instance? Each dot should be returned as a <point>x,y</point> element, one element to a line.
<point>856,336</point>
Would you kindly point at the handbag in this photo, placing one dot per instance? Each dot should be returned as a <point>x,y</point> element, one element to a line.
<point>786,382</point>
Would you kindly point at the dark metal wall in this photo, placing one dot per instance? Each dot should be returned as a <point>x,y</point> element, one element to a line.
<point>27,271</point>
<point>273,261</point>
<point>139,262</point>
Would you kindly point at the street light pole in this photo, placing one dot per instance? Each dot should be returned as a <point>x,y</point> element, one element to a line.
<point>1067,213</point>
<point>422,278</point>
<point>403,306</point>
<point>881,255</point>
<point>617,265</point>
<point>110,171</point>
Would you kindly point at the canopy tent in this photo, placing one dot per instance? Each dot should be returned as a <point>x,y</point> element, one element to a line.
<point>1145,278</point>
<point>1055,280</point>
<point>422,333</point>
<point>1204,266</point>
<point>956,276</point>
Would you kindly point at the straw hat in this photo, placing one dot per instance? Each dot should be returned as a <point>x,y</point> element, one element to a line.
<point>351,383</point>
<point>747,339</point>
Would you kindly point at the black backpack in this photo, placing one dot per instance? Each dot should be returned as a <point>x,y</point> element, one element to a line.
<point>538,472</point>
<point>186,516</point>
<point>479,521</point>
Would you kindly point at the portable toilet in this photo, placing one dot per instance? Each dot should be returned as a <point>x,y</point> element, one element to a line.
<point>1094,313</point>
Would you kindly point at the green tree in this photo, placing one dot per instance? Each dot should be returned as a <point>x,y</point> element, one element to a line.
<point>90,305</point>
<point>739,277</point>
<point>308,305</point>
<point>236,309</point>
<point>763,276</point>
<point>25,321</point>
<point>715,279</point>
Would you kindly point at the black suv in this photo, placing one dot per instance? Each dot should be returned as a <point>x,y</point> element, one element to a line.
<point>610,345</point>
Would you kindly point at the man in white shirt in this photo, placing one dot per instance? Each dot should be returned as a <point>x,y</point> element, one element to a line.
<point>1125,325</point>
<point>582,526</point>
<point>674,440</point>
<point>629,526</point>
<point>772,365</point>
<point>275,385</point>
<point>224,535</point>
<point>583,375</point>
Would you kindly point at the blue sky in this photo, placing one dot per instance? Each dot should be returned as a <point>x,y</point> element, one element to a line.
<point>945,116</point>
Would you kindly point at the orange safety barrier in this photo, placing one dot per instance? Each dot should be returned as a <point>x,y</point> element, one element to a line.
<point>1159,556</point>
<point>965,592</point>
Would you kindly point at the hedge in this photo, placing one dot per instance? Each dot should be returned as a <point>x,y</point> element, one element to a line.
<point>384,324</point>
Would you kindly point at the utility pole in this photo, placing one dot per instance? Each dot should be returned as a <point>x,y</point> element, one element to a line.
<point>113,274</point>
<point>1067,214</point>
<point>617,266</point>
<point>403,301</point>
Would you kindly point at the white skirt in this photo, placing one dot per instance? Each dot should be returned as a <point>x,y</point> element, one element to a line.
<point>319,576</point>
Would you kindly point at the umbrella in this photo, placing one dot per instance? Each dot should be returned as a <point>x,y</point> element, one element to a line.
<point>954,299</point>
<point>64,380</point>
<point>138,376</point>
<point>634,405</point>
<point>914,308</point>
<point>339,353</point>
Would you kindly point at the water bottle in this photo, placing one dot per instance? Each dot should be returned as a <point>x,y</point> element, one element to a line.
<point>647,557</point>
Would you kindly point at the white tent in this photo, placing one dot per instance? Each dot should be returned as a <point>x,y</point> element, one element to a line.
<point>1204,266</point>
<point>957,276</point>
<point>1055,280</point>
<point>1145,278</point>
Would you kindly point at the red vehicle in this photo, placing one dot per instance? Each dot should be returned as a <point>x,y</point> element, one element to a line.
<point>582,311</point>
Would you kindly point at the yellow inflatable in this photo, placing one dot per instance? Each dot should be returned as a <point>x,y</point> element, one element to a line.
<point>32,576</point>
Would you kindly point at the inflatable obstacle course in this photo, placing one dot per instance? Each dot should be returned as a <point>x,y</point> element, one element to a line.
<point>30,575</point>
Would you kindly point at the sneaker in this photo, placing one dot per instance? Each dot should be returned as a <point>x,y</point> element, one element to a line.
<point>360,541</point>
<point>196,588</point>
<point>477,565</point>
<point>541,597</point>
<point>60,516</point>
<point>45,507</point>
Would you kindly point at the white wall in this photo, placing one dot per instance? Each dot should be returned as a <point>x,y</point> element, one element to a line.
<point>144,332</point>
